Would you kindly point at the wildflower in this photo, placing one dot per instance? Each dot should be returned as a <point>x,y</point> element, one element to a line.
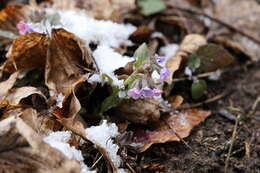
<point>157,92</point>
<point>134,93</point>
<point>160,59</point>
<point>147,92</point>
<point>164,73</point>
<point>23,27</point>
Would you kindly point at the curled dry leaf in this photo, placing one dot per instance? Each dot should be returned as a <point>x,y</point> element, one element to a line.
<point>27,51</point>
<point>189,45</point>
<point>170,128</point>
<point>42,124</point>
<point>7,85</point>
<point>20,142</point>
<point>139,111</point>
<point>67,61</point>
<point>15,95</point>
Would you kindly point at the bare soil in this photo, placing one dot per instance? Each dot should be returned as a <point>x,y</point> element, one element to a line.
<point>211,140</point>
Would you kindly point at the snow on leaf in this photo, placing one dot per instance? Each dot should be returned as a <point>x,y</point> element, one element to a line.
<point>20,142</point>
<point>102,136</point>
<point>59,140</point>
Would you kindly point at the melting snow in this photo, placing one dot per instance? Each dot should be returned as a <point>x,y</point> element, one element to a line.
<point>108,61</point>
<point>102,135</point>
<point>59,141</point>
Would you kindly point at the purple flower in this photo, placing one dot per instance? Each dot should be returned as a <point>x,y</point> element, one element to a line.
<point>134,93</point>
<point>23,27</point>
<point>160,59</point>
<point>157,92</point>
<point>147,92</point>
<point>164,73</point>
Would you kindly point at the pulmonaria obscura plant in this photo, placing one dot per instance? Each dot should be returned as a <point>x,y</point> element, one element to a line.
<point>141,83</point>
<point>145,81</point>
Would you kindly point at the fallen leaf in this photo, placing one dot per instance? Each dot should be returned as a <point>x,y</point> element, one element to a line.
<point>15,95</point>
<point>42,124</point>
<point>139,111</point>
<point>189,45</point>
<point>66,62</point>
<point>7,85</point>
<point>20,142</point>
<point>242,14</point>
<point>141,34</point>
<point>27,51</point>
<point>166,130</point>
<point>213,57</point>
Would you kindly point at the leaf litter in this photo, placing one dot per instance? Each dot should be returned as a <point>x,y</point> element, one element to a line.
<point>80,50</point>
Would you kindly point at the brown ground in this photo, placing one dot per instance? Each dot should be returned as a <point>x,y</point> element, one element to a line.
<point>211,139</point>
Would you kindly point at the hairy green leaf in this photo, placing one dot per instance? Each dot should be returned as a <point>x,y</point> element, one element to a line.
<point>150,7</point>
<point>141,55</point>
<point>198,88</point>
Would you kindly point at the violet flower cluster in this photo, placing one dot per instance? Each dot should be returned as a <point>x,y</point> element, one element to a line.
<point>143,93</point>
<point>24,28</point>
<point>149,91</point>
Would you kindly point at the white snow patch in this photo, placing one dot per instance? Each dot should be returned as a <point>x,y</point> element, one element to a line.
<point>101,135</point>
<point>98,31</point>
<point>168,51</point>
<point>108,61</point>
<point>101,32</point>
<point>59,141</point>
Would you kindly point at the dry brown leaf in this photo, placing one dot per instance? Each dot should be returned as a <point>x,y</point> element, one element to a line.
<point>66,62</point>
<point>42,124</point>
<point>22,150</point>
<point>139,111</point>
<point>188,46</point>
<point>15,95</point>
<point>181,124</point>
<point>27,51</point>
<point>7,85</point>
<point>243,14</point>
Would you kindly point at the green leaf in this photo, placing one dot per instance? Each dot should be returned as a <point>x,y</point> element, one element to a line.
<point>130,80</point>
<point>213,57</point>
<point>194,61</point>
<point>150,7</point>
<point>198,88</point>
<point>141,55</point>
<point>105,76</point>
<point>112,101</point>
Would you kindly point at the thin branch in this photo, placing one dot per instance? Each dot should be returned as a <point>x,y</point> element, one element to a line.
<point>214,19</point>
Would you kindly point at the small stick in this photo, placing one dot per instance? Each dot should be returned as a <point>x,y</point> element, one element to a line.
<point>129,166</point>
<point>94,164</point>
<point>180,138</point>
<point>231,27</point>
<point>215,98</point>
<point>231,145</point>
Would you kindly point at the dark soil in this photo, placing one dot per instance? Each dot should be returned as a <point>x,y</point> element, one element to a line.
<point>210,141</point>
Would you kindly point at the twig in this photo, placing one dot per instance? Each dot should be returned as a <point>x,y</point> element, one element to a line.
<point>202,75</point>
<point>229,26</point>
<point>254,106</point>
<point>129,166</point>
<point>210,100</point>
<point>180,138</point>
<point>231,145</point>
<point>94,164</point>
